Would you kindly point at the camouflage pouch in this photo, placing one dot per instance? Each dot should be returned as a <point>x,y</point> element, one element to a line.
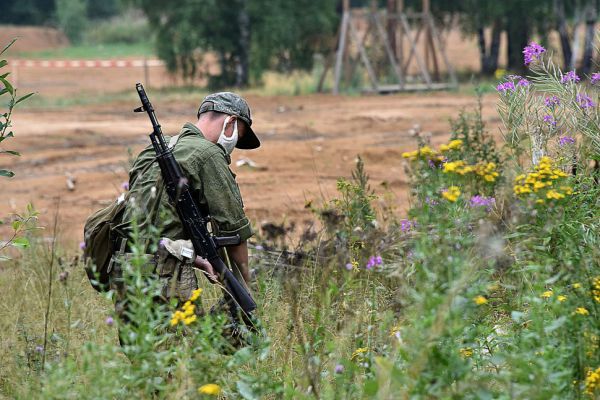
<point>175,269</point>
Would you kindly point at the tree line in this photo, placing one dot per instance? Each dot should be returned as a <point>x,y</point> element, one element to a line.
<point>248,37</point>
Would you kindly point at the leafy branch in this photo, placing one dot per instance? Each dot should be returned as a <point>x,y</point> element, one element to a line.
<point>5,117</point>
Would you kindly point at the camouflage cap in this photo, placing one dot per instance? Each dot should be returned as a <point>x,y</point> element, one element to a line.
<point>232,104</point>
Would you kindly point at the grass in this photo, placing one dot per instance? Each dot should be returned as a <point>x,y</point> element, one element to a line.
<point>92,51</point>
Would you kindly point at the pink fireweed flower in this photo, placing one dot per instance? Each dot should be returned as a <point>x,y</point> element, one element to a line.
<point>125,185</point>
<point>551,102</point>
<point>82,245</point>
<point>532,52</point>
<point>549,120</point>
<point>523,82</point>
<point>595,78</point>
<point>570,76</point>
<point>585,101</point>
<point>109,321</point>
<point>566,140</point>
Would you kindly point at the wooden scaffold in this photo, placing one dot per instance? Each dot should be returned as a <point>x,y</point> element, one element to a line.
<point>398,51</point>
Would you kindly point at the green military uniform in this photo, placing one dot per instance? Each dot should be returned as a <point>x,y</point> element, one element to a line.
<point>206,165</point>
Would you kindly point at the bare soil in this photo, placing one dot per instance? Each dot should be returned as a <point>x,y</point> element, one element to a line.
<point>308,142</point>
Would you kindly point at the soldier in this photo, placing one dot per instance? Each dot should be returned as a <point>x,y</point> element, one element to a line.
<point>203,151</point>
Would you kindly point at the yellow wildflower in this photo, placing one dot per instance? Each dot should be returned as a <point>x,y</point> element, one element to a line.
<point>453,165</point>
<point>592,381</point>
<point>444,147</point>
<point>359,352</point>
<point>189,320</point>
<point>455,144</point>
<point>539,201</point>
<point>195,294</point>
<point>547,294</point>
<point>499,73</point>
<point>561,298</point>
<point>211,389</point>
<point>520,178</point>
<point>576,285</point>
<point>582,311</point>
<point>452,194</point>
<point>553,194</point>
<point>568,190</point>
<point>596,289</point>
<point>480,300</point>
<point>427,151</point>
<point>489,178</point>
<point>410,154</point>
<point>466,352</point>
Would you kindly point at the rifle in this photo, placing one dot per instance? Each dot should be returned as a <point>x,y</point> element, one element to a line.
<point>193,221</point>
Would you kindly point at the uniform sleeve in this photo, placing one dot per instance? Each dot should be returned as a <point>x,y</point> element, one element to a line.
<point>221,195</point>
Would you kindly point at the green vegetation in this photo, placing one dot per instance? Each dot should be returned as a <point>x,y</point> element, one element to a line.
<point>94,51</point>
<point>489,288</point>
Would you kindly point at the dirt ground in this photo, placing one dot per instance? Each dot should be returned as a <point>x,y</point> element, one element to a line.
<point>308,141</point>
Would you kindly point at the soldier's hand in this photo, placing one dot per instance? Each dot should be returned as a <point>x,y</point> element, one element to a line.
<point>206,268</point>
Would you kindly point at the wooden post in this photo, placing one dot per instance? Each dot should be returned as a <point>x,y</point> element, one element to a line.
<point>389,51</point>
<point>400,46</point>
<point>341,47</point>
<point>364,57</point>
<point>424,15</point>
<point>391,26</point>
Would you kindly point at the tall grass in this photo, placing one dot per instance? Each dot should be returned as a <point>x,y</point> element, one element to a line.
<point>488,288</point>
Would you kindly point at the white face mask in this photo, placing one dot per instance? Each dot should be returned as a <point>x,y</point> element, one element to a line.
<point>228,143</point>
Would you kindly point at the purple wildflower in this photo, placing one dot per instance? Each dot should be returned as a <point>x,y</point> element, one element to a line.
<point>595,78</point>
<point>482,201</point>
<point>550,102</point>
<point>570,76</point>
<point>339,368</point>
<point>505,87</point>
<point>523,82</point>
<point>349,266</point>
<point>161,243</point>
<point>531,52</point>
<point>259,247</point>
<point>374,261</point>
<point>514,77</point>
<point>566,140</point>
<point>549,119</point>
<point>585,101</point>
<point>82,245</point>
<point>406,225</point>
<point>109,321</point>
<point>125,185</point>
<point>39,349</point>
<point>431,202</point>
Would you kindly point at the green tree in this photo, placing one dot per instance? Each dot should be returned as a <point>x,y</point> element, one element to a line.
<point>26,12</point>
<point>71,16</point>
<point>247,36</point>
